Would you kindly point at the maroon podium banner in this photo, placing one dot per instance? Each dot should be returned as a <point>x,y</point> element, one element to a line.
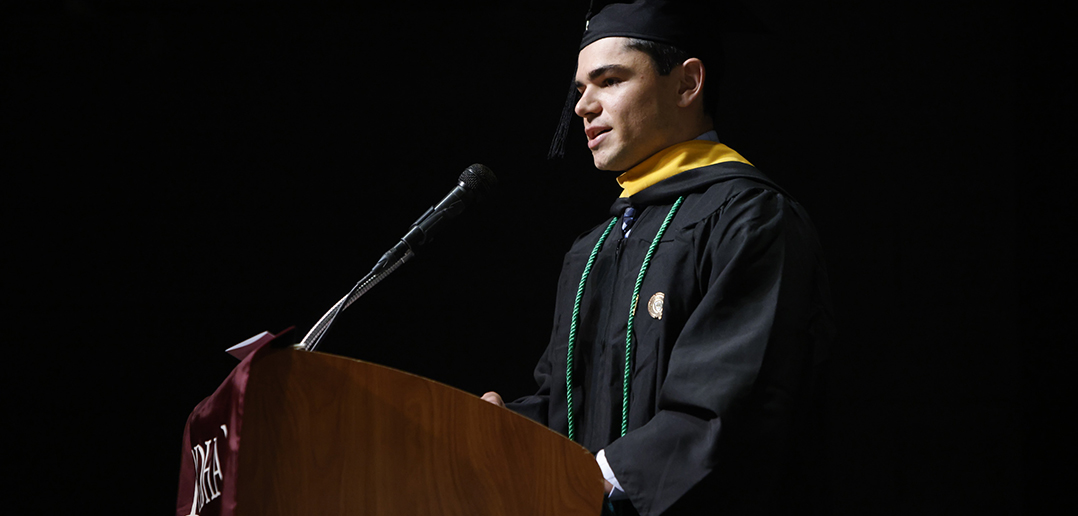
<point>211,441</point>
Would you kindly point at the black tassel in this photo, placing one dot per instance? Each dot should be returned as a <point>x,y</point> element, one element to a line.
<point>557,145</point>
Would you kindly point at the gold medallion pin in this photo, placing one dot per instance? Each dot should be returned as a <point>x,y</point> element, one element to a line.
<point>655,305</point>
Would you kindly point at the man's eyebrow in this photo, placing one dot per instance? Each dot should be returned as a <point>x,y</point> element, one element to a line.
<point>598,72</point>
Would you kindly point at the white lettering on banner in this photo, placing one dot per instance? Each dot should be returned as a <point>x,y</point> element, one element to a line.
<point>208,473</point>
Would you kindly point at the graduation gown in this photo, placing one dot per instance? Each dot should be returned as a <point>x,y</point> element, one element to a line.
<point>720,383</point>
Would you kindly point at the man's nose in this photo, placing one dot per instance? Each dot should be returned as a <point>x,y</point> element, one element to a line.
<point>587,105</point>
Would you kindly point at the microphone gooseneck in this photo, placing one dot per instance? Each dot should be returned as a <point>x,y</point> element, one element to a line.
<point>474,184</point>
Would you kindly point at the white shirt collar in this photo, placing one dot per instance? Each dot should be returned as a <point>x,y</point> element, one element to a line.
<point>711,136</point>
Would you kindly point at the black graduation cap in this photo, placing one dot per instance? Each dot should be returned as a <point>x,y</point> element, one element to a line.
<point>694,26</point>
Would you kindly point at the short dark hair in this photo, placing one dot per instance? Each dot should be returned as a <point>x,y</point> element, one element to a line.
<point>667,57</point>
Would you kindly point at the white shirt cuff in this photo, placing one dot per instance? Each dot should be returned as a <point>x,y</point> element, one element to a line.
<point>617,493</point>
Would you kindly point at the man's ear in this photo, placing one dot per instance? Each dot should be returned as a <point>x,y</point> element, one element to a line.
<point>691,86</point>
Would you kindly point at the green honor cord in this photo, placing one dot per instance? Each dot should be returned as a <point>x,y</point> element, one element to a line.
<point>629,324</point>
<point>632,315</point>
<point>572,326</point>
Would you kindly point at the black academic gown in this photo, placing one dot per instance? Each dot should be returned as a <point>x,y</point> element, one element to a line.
<point>720,384</point>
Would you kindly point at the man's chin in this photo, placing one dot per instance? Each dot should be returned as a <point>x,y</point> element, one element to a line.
<point>609,167</point>
<point>602,163</point>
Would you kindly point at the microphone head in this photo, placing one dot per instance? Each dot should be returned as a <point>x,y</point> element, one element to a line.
<point>478,179</point>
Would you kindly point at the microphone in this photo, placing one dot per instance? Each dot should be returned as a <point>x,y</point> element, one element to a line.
<point>474,184</point>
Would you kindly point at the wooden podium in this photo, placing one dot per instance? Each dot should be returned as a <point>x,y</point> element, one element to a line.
<point>292,432</point>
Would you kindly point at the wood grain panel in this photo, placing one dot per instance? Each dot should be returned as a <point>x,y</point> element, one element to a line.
<point>328,435</point>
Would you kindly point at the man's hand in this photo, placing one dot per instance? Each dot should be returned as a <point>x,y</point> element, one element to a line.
<point>494,398</point>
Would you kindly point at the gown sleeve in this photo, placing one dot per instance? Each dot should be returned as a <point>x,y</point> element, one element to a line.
<point>547,405</point>
<point>536,406</point>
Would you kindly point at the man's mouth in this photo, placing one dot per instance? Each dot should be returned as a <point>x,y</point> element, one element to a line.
<point>595,135</point>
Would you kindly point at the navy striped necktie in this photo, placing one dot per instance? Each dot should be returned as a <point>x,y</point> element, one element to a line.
<point>627,220</point>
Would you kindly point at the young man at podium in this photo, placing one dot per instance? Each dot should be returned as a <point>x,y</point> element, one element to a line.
<point>691,325</point>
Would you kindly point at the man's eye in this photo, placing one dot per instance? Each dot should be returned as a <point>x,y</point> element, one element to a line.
<point>610,81</point>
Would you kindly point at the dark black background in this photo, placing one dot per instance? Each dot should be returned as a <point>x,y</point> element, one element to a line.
<point>182,175</point>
